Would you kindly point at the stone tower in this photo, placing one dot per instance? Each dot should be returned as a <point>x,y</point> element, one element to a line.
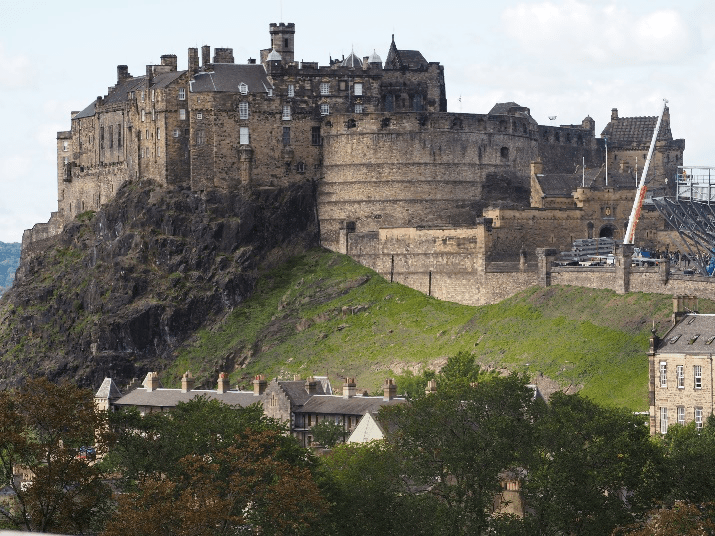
<point>283,40</point>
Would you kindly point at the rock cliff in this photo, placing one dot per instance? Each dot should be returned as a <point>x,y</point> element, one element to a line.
<point>119,290</point>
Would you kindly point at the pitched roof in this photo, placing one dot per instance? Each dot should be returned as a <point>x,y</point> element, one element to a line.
<point>168,398</point>
<point>564,184</point>
<point>681,339</point>
<point>397,59</point>
<point>295,390</point>
<point>635,130</point>
<point>87,112</point>
<point>228,76</point>
<point>108,389</point>
<point>338,405</point>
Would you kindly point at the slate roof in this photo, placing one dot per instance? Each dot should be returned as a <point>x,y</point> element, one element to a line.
<point>397,59</point>
<point>228,76</point>
<point>168,398</point>
<point>681,339</point>
<point>564,184</point>
<point>108,389</point>
<point>635,130</point>
<point>355,405</point>
<point>87,112</point>
<point>507,108</point>
<point>296,391</point>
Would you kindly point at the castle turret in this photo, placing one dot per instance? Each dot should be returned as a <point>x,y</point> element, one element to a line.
<point>283,40</point>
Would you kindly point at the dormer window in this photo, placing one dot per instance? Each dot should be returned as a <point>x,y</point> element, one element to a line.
<point>243,88</point>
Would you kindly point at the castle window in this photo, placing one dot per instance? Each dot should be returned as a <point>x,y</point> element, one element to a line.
<point>681,415</point>
<point>153,114</point>
<point>324,109</point>
<point>147,134</point>
<point>357,88</point>
<point>243,88</point>
<point>119,135</point>
<point>389,103</point>
<point>200,137</point>
<point>182,93</point>
<point>325,88</point>
<point>286,113</point>
<point>143,114</point>
<point>286,135</point>
<point>65,146</point>
<point>243,110</point>
<point>199,115</point>
<point>505,152</point>
<point>243,136</point>
<point>111,136</point>
<point>142,95</point>
<point>158,133</point>
<point>182,114</point>
<point>177,132</point>
<point>291,90</point>
<point>315,138</point>
<point>698,376</point>
<point>152,95</point>
<point>300,168</point>
<point>358,108</point>
<point>663,374</point>
<point>698,418</point>
<point>101,137</point>
<point>158,151</point>
<point>285,41</point>
<point>385,122</point>
<point>679,374</point>
<point>417,105</point>
<point>65,160</point>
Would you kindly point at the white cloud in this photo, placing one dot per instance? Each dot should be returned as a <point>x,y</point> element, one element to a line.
<point>15,70</point>
<point>600,34</point>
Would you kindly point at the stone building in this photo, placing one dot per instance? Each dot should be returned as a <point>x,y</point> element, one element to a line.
<point>681,369</point>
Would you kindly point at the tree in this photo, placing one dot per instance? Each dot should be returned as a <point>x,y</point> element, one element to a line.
<point>682,519</point>
<point>245,484</point>
<point>42,426</point>
<point>589,473</point>
<point>328,433</point>
<point>457,442</point>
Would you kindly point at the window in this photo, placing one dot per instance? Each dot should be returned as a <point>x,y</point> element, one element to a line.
<point>65,160</point>
<point>199,115</point>
<point>147,134</point>
<point>286,135</point>
<point>663,374</point>
<point>699,418</point>
<point>158,151</point>
<point>111,136</point>
<point>182,114</point>
<point>663,420</point>
<point>291,90</point>
<point>681,415</point>
<point>286,113</point>
<point>315,138</point>
<point>325,88</point>
<point>101,137</point>
<point>143,118</point>
<point>142,95</point>
<point>681,376</point>
<point>243,136</point>
<point>698,374</point>
<point>182,93</point>
<point>358,108</point>
<point>300,168</point>
<point>177,132</point>
<point>158,133</point>
<point>119,135</point>
<point>243,88</point>
<point>152,95</point>
<point>200,137</point>
<point>65,146</point>
<point>153,114</point>
<point>324,109</point>
<point>243,110</point>
<point>505,152</point>
<point>357,88</point>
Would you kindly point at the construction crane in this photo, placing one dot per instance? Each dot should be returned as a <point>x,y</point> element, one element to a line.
<point>640,192</point>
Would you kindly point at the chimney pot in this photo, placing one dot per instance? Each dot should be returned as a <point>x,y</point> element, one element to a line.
<point>224,383</point>
<point>389,389</point>
<point>349,388</point>
<point>259,385</point>
<point>151,382</point>
<point>187,382</point>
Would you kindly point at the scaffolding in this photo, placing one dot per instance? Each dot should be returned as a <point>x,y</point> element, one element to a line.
<point>691,212</point>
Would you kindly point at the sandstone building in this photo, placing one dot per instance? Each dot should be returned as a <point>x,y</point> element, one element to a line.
<point>400,180</point>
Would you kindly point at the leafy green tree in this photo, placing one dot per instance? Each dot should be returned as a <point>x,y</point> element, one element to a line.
<point>328,433</point>
<point>457,442</point>
<point>589,472</point>
<point>42,426</point>
<point>690,461</point>
<point>682,519</point>
<point>369,494</point>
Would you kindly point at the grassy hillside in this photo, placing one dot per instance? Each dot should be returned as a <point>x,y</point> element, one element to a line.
<point>321,313</point>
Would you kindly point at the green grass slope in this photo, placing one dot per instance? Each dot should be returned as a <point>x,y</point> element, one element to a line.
<point>322,313</point>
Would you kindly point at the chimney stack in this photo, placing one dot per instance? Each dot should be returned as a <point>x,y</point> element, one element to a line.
<point>296,377</point>
<point>151,382</point>
<point>194,60</point>
<point>389,389</point>
<point>187,382</point>
<point>537,167</point>
<point>223,383</point>
<point>614,114</point>
<point>205,56</point>
<point>223,55</point>
<point>349,388</point>
<point>122,73</point>
<point>431,387</point>
<point>311,386</point>
<point>169,60</point>
<point>259,385</point>
<point>149,75</point>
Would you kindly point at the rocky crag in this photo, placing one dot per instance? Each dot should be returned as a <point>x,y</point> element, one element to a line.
<point>9,261</point>
<point>118,291</point>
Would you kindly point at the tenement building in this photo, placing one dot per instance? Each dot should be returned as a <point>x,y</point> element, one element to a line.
<point>389,161</point>
<point>681,369</point>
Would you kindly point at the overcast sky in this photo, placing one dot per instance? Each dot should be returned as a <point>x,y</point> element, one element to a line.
<point>564,58</point>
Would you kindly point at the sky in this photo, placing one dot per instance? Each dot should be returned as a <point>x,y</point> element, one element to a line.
<point>563,58</point>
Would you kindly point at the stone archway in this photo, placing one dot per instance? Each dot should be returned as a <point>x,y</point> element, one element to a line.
<point>606,232</point>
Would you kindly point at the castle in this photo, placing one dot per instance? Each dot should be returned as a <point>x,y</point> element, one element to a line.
<point>401,181</point>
